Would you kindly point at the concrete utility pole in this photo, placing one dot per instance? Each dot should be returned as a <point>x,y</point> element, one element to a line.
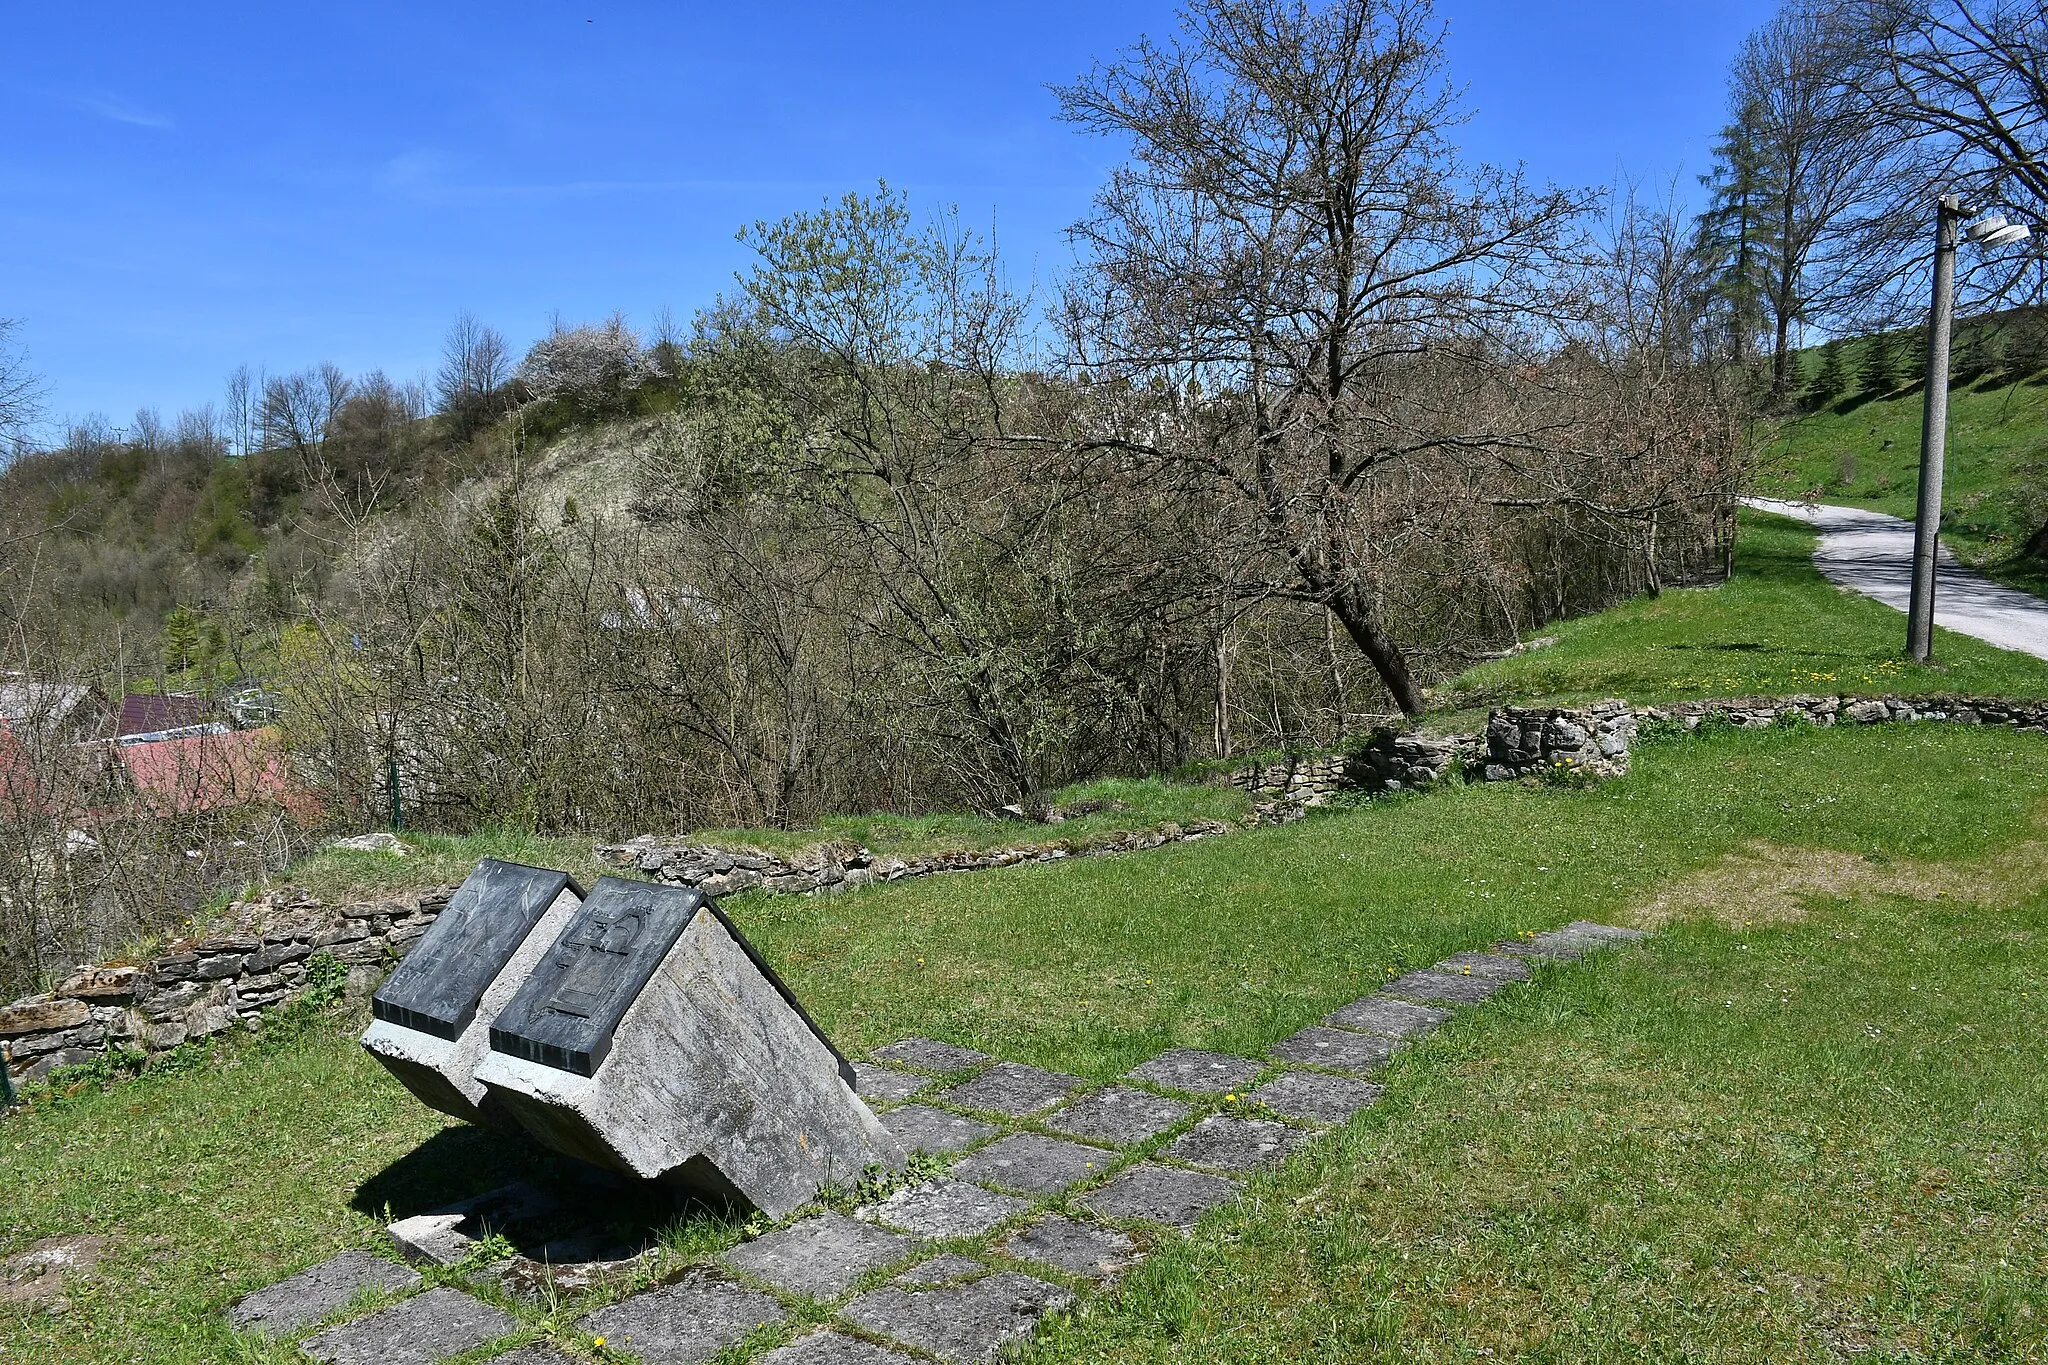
<point>1933,430</point>
<point>1992,233</point>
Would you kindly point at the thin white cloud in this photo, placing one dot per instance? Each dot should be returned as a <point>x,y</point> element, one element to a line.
<point>107,106</point>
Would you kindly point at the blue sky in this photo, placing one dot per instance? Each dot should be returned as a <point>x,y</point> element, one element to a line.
<point>188,188</point>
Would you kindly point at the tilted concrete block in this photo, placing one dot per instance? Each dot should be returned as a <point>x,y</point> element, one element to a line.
<point>654,1041</point>
<point>432,1017</point>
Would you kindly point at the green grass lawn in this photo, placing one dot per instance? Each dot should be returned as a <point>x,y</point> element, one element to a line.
<point>1867,454</point>
<point>1758,1143</point>
<point>440,859</point>
<point>1777,627</point>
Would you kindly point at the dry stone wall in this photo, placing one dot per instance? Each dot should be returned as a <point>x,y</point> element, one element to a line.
<point>207,986</point>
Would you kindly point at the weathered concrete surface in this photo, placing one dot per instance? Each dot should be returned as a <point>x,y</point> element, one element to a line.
<point>1314,1097</point>
<point>1431,987</point>
<point>962,1323</point>
<point>683,1323</point>
<point>1338,1049</point>
<point>1079,1248</point>
<point>822,1256</point>
<point>1034,1164</point>
<point>1195,1072</point>
<point>713,1081</point>
<point>1223,1143</point>
<point>885,1083</point>
<point>941,1209</point>
<point>826,1347</point>
<point>928,1054</point>
<point>1388,1018</point>
<point>1012,1088</point>
<point>921,1128</point>
<point>420,1331</point>
<point>280,1309</point>
<point>440,1070</point>
<point>1118,1114</point>
<point>1161,1194</point>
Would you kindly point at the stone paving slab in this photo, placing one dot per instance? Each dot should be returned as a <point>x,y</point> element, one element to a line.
<point>1012,1088</point>
<point>537,1354</point>
<point>1574,941</point>
<point>1079,1248</point>
<point>827,1347</point>
<point>283,1308</point>
<point>1223,1143</point>
<point>1196,1072</point>
<point>1034,1164</point>
<point>1607,931</point>
<point>1442,988</point>
<point>1338,1049</point>
<point>1161,1194</point>
<point>921,1128</point>
<point>1314,1097</point>
<point>1118,1114</point>
<point>1494,966</point>
<point>1388,1018</point>
<point>420,1331</point>
<point>962,1323</point>
<point>872,1082</point>
<point>822,1256</point>
<point>945,1269</point>
<point>683,1323</point>
<point>928,1054</point>
<point>944,1208</point>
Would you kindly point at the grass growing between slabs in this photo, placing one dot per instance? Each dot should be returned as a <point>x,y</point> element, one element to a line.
<point>1777,627</point>
<point>1593,1140</point>
<point>1100,808</point>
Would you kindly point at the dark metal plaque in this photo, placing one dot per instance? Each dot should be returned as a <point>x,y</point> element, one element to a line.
<point>564,1015</point>
<point>438,986</point>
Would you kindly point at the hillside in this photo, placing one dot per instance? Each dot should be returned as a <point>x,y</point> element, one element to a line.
<point>1863,449</point>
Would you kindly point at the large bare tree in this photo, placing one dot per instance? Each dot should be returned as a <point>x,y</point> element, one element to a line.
<point>21,391</point>
<point>1297,245</point>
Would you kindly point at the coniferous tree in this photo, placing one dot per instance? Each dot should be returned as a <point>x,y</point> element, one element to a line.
<point>1831,382</point>
<point>1976,353</point>
<point>1734,241</point>
<point>2026,353</point>
<point>1884,365</point>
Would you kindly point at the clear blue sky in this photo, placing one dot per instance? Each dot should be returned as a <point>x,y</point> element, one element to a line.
<point>185,188</point>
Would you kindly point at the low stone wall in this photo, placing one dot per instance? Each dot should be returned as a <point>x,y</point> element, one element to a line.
<point>837,865</point>
<point>202,987</point>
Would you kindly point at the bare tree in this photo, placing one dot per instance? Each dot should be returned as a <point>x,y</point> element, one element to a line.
<point>1296,238</point>
<point>21,391</point>
<point>475,363</point>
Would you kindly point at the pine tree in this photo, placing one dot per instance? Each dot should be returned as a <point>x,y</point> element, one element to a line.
<point>2026,354</point>
<point>1883,365</point>
<point>1976,354</point>
<point>182,643</point>
<point>1831,383</point>
<point>1734,236</point>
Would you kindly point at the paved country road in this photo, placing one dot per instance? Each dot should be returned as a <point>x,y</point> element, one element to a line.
<point>1872,553</point>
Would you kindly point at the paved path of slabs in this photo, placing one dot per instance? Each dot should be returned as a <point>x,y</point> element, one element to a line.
<point>1055,1187</point>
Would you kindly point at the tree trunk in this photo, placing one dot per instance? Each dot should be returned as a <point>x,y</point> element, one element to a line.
<point>1379,649</point>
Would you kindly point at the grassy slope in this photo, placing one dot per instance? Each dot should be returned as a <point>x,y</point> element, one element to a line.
<point>1867,454</point>
<point>440,859</point>
<point>1777,627</point>
<point>1697,1151</point>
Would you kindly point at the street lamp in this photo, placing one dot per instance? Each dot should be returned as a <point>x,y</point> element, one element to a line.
<point>1991,233</point>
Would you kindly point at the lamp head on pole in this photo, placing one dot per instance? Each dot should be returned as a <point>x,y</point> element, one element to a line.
<point>1995,232</point>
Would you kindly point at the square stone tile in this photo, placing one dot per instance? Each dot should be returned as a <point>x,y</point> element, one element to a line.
<point>1388,1018</point>
<point>1196,1072</point>
<point>1223,1143</point>
<point>1161,1194</point>
<point>1612,932</point>
<point>1034,1164</point>
<point>1078,1248</point>
<point>537,1354</point>
<point>1012,1088</point>
<point>313,1293</point>
<point>821,1256</point>
<point>1338,1049</point>
<point>437,1324</point>
<point>928,1054</point>
<point>945,1269</point>
<point>1314,1097</point>
<point>827,1347</point>
<point>944,1208</point>
<point>1495,966</point>
<point>683,1323</point>
<point>1118,1114</point>
<point>960,1323</point>
<point>872,1082</point>
<point>1442,988</point>
<point>922,1128</point>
